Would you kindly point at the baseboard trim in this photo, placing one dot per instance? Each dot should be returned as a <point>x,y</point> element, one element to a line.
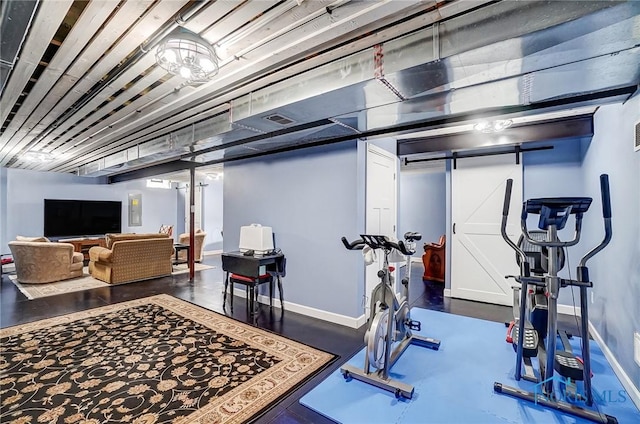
<point>447,292</point>
<point>569,310</point>
<point>629,387</point>
<point>212,252</point>
<point>309,311</point>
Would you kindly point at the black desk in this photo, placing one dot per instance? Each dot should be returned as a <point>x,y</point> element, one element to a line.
<point>249,266</point>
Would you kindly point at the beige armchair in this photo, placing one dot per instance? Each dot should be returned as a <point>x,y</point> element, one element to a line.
<point>43,262</point>
<point>198,248</point>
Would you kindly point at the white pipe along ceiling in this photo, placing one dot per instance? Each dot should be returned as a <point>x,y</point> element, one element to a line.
<point>80,85</point>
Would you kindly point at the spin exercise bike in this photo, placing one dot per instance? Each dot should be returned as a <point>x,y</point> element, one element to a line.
<point>391,322</point>
<point>536,316</point>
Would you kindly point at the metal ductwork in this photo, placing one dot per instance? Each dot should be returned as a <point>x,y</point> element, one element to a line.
<point>506,57</point>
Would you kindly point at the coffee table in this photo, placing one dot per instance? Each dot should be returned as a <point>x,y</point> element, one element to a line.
<point>178,248</point>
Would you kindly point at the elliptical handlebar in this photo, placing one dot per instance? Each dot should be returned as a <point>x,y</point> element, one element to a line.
<point>606,215</point>
<point>503,226</point>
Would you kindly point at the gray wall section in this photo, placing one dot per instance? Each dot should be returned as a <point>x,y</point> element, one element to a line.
<point>26,191</point>
<point>423,204</point>
<point>310,200</point>
<point>615,271</point>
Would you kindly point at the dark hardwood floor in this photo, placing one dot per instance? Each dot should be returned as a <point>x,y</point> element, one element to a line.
<point>206,290</point>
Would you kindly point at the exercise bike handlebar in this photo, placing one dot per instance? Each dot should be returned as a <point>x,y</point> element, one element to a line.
<point>606,214</point>
<point>377,242</point>
<point>354,245</point>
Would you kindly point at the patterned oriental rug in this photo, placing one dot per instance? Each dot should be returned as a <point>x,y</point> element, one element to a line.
<point>152,360</point>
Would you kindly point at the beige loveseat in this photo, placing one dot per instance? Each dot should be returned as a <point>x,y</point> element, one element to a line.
<point>39,262</point>
<point>131,257</point>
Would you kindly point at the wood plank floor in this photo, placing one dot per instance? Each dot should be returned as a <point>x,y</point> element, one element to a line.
<point>206,291</point>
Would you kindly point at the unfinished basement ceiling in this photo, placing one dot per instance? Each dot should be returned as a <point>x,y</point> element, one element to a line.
<point>79,79</point>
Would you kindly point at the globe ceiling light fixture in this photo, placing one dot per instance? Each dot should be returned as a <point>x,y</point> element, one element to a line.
<point>187,54</point>
<point>494,126</point>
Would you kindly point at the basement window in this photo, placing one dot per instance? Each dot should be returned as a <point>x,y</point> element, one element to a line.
<point>158,183</point>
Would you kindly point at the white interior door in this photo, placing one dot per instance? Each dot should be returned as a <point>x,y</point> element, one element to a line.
<point>198,209</point>
<point>381,205</point>
<point>480,257</point>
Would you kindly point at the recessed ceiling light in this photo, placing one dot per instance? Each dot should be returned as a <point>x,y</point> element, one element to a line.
<point>493,126</point>
<point>35,156</point>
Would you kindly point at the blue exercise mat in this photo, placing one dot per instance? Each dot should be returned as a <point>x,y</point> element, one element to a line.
<point>455,383</point>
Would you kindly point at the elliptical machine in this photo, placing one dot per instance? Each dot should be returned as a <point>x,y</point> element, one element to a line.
<point>391,322</point>
<point>554,213</point>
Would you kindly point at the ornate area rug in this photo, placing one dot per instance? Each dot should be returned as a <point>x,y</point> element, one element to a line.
<point>152,360</point>
<point>86,282</point>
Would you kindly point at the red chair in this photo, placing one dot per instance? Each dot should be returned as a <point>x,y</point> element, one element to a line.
<point>252,283</point>
<point>434,260</point>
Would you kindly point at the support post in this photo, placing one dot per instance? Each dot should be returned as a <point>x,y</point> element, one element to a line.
<point>192,219</point>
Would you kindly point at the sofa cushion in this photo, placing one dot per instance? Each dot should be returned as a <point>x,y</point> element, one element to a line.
<point>112,238</point>
<point>33,239</point>
<point>77,257</point>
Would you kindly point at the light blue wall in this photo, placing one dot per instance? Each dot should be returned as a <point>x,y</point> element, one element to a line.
<point>26,191</point>
<point>182,194</point>
<point>3,210</point>
<point>422,203</point>
<point>212,194</point>
<point>310,200</point>
<point>615,271</point>
<point>557,173</point>
<point>212,213</point>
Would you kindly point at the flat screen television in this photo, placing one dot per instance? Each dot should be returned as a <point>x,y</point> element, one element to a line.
<point>64,218</point>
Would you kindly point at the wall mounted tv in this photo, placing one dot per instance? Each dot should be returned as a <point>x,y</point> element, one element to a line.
<point>64,218</point>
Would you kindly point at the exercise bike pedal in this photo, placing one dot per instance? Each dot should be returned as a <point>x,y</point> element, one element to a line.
<point>413,325</point>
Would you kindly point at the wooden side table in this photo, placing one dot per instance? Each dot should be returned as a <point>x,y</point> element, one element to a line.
<point>83,245</point>
<point>178,248</point>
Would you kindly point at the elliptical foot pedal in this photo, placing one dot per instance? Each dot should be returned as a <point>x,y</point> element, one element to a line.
<point>530,342</point>
<point>567,365</point>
